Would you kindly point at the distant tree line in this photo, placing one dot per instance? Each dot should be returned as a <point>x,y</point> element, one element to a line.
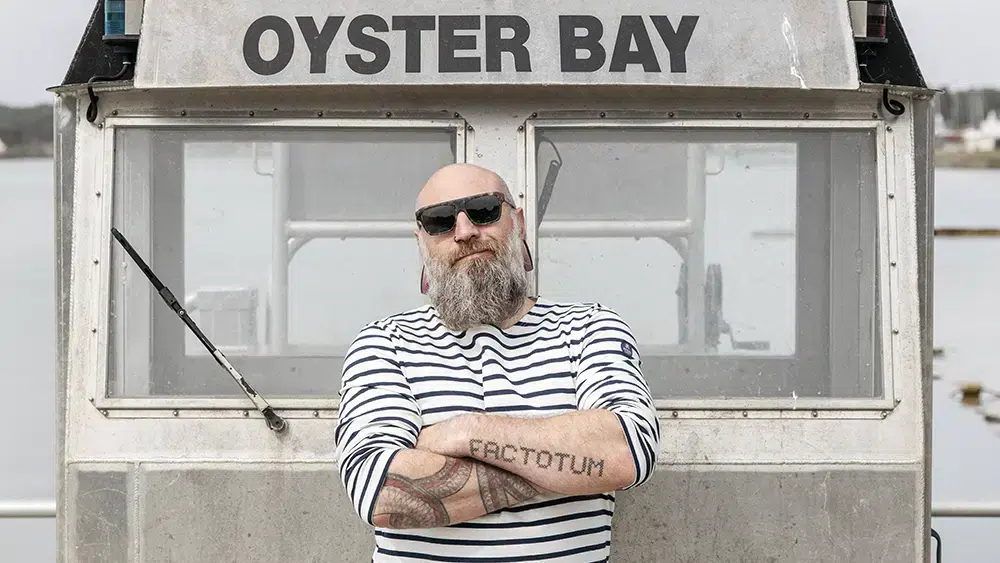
<point>27,131</point>
<point>967,108</point>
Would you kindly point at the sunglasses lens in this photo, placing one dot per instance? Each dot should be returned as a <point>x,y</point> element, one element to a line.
<point>438,219</point>
<point>483,210</point>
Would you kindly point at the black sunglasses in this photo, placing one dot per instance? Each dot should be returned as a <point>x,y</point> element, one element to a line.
<point>482,209</point>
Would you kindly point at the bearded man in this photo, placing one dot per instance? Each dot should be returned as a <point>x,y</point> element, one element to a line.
<point>490,424</point>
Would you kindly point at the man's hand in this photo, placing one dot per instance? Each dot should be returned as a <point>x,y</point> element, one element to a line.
<point>582,452</point>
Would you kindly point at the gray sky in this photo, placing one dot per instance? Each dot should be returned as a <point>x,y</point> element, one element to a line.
<point>955,42</point>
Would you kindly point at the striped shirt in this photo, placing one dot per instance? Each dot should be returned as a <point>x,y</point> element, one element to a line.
<point>407,371</point>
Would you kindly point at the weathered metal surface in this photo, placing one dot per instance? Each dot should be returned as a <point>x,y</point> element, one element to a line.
<point>773,515</point>
<point>801,44</point>
<point>249,513</point>
<point>98,516</point>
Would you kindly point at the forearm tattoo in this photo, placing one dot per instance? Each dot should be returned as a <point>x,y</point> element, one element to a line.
<point>544,459</point>
<point>419,503</point>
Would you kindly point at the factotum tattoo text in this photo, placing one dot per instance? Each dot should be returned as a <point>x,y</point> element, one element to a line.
<point>544,459</point>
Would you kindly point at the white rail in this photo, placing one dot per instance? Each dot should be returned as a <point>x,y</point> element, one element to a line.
<point>28,509</point>
<point>967,510</point>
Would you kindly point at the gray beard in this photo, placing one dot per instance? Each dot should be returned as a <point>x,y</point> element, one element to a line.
<point>487,291</point>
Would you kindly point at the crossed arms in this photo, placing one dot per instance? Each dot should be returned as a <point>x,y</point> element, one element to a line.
<point>399,475</point>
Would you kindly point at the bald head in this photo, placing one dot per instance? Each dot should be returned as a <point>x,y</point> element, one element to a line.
<point>459,180</point>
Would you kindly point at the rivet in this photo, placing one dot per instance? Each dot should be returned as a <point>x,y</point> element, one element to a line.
<point>316,413</point>
<point>104,412</point>
<point>251,113</point>
<point>457,114</point>
<point>96,261</point>
<point>114,112</point>
<point>874,115</point>
<point>184,112</point>
<point>388,114</point>
<point>671,114</point>
<point>93,330</point>
<point>889,128</point>
<point>739,114</point>
<point>603,114</point>
<point>884,414</point>
<point>176,412</point>
<point>744,414</point>
<point>674,414</point>
<point>520,127</point>
<point>246,413</point>
<point>319,114</point>
<point>899,401</point>
<point>98,194</point>
<point>895,331</point>
<point>91,399</point>
<point>534,114</point>
<point>893,263</point>
<point>815,414</point>
<point>100,126</point>
<point>807,115</point>
<point>891,195</point>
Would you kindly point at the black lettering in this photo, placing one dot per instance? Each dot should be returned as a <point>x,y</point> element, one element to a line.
<point>676,42</point>
<point>412,25</point>
<point>319,41</point>
<point>526,451</point>
<point>562,458</point>
<point>370,43</point>
<point>496,45</point>
<point>492,449</point>
<point>569,43</point>
<point>474,446</point>
<point>503,454</point>
<point>583,465</point>
<point>251,45</point>
<point>448,43</point>
<point>539,460</point>
<point>623,55</point>
<point>598,464</point>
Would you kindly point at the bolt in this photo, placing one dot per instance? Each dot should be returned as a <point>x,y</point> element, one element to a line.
<point>114,112</point>
<point>534,114</point>
<point>91,399</point>
<point>319,114</point>
<point>884,414</point>
<point>744,414</point>
<point>100,126</point>
<point>184,112</point>
<point>674,414</point>
<point>176,412</point>
<point>899,401</point>
<point>98,194</point>
<point>893,263</point>
<point>316,413</point>
<point>671,114</point>
<point>520,127</point>
<point>93,330</point>
<point>246,413</point>
<point>468,127</point>
<point>891,195</point>
<point>807,115</point>
<point>251,113</point>
<point>889,128</point>
<point>104,412</point>
<point>815,414</point>
<point>603,114</point>
<point>895,331</point>
<point>96,261</point>
<point>739,114</point>
<point>457,114</point>
<point>388,114</point>
<point>874,115</point>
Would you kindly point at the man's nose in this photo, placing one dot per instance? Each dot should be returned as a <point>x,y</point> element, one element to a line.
<point>464,229</point>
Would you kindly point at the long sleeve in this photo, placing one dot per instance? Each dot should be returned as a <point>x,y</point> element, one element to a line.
<point>610,377</point>
<point>378,417</point>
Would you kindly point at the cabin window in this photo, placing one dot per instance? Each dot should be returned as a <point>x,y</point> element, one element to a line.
<point>282,241</point>
<point>743,257</point>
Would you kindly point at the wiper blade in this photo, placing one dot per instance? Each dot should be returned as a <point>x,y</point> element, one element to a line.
<point>274,422</point>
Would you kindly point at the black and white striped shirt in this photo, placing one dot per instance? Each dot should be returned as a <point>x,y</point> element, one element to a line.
<point>407,371</point>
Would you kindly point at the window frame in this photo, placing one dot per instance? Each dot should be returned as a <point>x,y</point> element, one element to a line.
<point>159,406</point>
<point>887,277</point>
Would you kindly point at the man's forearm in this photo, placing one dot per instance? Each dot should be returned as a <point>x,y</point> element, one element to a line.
<point>428,490</point>
<point>583,452</point>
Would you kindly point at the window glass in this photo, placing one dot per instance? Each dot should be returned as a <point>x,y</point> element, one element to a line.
<point>282,243</point>
<point>744,260</point>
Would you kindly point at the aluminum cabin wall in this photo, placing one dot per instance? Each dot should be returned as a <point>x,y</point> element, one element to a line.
<point>151,486</point>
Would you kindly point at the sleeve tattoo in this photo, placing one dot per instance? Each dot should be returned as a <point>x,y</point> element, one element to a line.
<point>419,503</point>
